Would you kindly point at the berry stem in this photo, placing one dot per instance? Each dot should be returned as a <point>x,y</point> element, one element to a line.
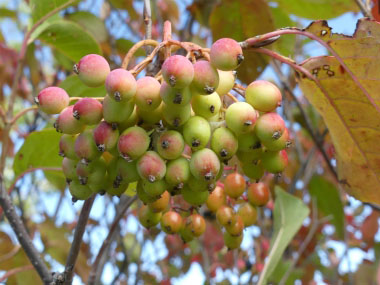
<point>132,51</point>
<point>232,97</point>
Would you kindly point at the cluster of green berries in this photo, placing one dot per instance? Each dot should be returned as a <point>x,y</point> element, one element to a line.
<point>171,135</point>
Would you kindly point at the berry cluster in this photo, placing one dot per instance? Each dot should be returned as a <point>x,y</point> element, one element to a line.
<point>172,135</point>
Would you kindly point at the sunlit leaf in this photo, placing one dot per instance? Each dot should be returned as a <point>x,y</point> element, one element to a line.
<point>42,7</point>
<point>352,119</point>
<point>123,46</point>
<point>75,88</point>
<point>7,13</point>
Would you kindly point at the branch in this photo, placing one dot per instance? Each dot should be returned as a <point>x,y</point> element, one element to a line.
<point>22,235</point>
<point>366,12</point>
<point>107,241</point>
<point>138,45</point>
<point>78,236</point>
<point>15,271</point>
<point>147,19</point>
<point>21,113</point>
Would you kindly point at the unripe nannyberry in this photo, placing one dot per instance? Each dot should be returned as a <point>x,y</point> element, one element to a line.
<point>216,199</point>
<point>248,213</point>
<point>148,93</point>
<point>79,191</point>
<point>67,124</point>
<point>85,147</point>
<point>151,166</point>
<point>234,185</point>
<point>279,144</point>
<point>171,222</point>
<point>105,136</point>
<point>121,171</point>
<point>154,189</point>
<point>204,164</point>
<point>201,185</point>
<point>232,242</point>
<point>224,143</point>
<point>69,167</point>
<point>92,70</point>
<point>117,112</point>
<point>161,203</point>
<point>226,82</point>
<point>258,194</point>
<point>275,161</point>
<point>147,218</point>
<point>194,198</point>
<point>66,146</point>
<point>250,157</point>
<point>177,71</point>
<point>226,54</point>
<point>269,127</point>
<point>121,85</point>
<point>248,142</point>
<point>133,143</point>
<point>253,170</point>
<point>128,122</point>
<point>197,132</point>
<point>206,78</point>
<point>176,116</point>
<point>170,144</point>
<point>241,118</point>
<point>52,100</point>
<point>263,95</point>
<point>206,106</point>
<point>88,110</point>
<point>149,117</point>
<point>143,196</point>
<point>174,96</point>
<point>177,172</point>
<point>93,173</point>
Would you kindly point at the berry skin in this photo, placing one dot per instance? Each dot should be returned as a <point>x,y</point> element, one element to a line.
<point>234,185</point>
<point>248,213</point>
<point>105,136</point>
<point>226,82</point>
<point>232,242</point>
<point>263,95</point>
<point>225,215</point>
<point>93,173</point>
<point>151,166</point>
<point>171,222</point>
<point>121,85</point>
<point>121,171</point>
<point>69,169</point>
<point>197,132</point>
<point>206,106</point>
<point>66,146</point>
<point>248,142</point>
<point>275,161</point>
<point>147,218</point>
<point>144,197</point>
<point>154,189</point>
<point>206,78</point>
<point>194,198</point>
<point>128,122</point>
<point>92,70</point>
<point>201,185</point>
<point>177,71</point>
<point>195,224</point>
<point>85,147</point>
<point>269,127</point>
<point>117,112</point>
<point>150,117</point>
<point>67,124</point>
<point>52,100</point>
<point>176,116</point>
<point>282,143</point>
<point>241,118</point>
<point>133,143</point>
<point>258,194</point>
<point>204,164</point>
<point>147,96</point>
<point>174,96</point>
<point>216,199</point>
<point>177,172</point>
<point>88,110</point>
<point>170,144</point>
<point>224,143</point>
<point>79,191</point>
<point>161,203</point>
<point>236,227</point>
<point>226,54</point>
<point>253,170</point>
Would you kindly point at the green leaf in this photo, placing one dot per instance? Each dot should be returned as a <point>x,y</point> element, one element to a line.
<point>240,20</point>
<point>90,23</point>
<point>42,7</point>
<point>328,201</point>
<point>75,88</point>
<point>280,270</point>
<point>126,5</point>
<point>40,149</point>
<point>285,45</point>
<point>70,39</point>
<point>289,213</point>
<point>124,45</point>
<point>6,13</point>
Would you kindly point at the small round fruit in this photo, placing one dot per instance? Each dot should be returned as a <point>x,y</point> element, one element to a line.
<point>154,189</point>
<point>69,168</point>
<point>275,161</point>
<point>206,106</point>
<point>170,144</point>
<point>151,166</point>
<point>92,70</point>
<point>194,198</point>
<point>234,185</point>
<point>122,171</point>
<point>128,122</point>
<point>147,218</point>
<point>248,142</point>
<point>177,172</point>
<point>79,191</point>
<point>175,96</point>
<point>201,185</point>
<point>52,100</point>
<point>121,85</point>
<point>150,117</point>
<point>171,222</point>
<point>204,164</point>
<point>248,213</point>
<point>236,227</point>
<point>177,71</point>
<point>282,143</point>
<point>88,110</point>
<point>241,118</point>
<point>224,143</point>
<point>216,199</point>
<point>226,54</point>
<point>197,132</point>
<point>67,124</point>
<point>225,215</point>
<point>176,116</point>
<point>196,224</point>
<point>142,195</point>
<point>232,242</point>
<point>161,203</point>
<point>66,146</point>
<point>206,78</point>
<point>269,127</point>
<point>117,112</point>
<point>148,93</point>
<point>253,170</point>
<point>133,143</point>
<point>85,147</point>
<point>263,95</point>
<point>258,194</point>
<point>226,82</point>
<point>105,136</point>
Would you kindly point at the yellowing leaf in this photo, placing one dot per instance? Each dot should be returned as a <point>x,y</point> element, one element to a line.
<point>351,115</point>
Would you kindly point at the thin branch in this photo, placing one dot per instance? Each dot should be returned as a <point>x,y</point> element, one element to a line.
<point>366,12</point>
<point>22,235</point>
<point>23,112</point>
<point>10,254</point>
<point>78,236</point>
<point>133,50</point>
<point>147,19</point>
<point>107,241</point>
<point>15,271</point>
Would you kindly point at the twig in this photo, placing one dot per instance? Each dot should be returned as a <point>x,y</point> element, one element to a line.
<point>10,254</point>
<point>22,235</point>
<point>232,97</point>
<point>364,9</point>
<point>133,49</point>
<point>15,271</point>
<point>78,236</point>
<point>147,19</point>
<point>23,112</point>
<point>107,240</point>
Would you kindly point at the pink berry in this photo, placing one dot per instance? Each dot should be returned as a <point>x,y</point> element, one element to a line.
<point>52,100</point>
<point>105,136</point>
<point>148,93</point>
<point>88,110</point>
<point>206,78</point>
<point>92,70</point>
<point>226,54</point>
<point>121,85</point>
<point>67,124</point>
<point>178,71</point>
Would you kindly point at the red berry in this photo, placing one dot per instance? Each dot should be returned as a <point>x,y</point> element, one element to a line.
<point>171,222</point>
<point>258,194</point>
<point>178,71</point>
<point>52,100</point>
<point>234,185</point>
<point>226,54</point>
<point>92,69</point>
<point>67,124</point>
<point>121,85</point>
<point>88,110</point>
